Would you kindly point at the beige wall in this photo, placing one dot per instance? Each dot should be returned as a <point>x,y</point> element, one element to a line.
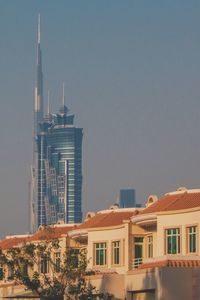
<point>112,283</point>
<point>169,283</point>
<point>108,235</point>
<point>181,220</point>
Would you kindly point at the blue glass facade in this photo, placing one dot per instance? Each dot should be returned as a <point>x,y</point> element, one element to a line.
<point>127,198</point>
<point>59,170</point>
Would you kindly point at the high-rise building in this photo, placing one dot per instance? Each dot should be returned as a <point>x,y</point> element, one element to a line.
<point>127,198</point>
<point>57,161</point>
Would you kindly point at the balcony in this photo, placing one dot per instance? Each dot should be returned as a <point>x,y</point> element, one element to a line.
<point>136,263</point>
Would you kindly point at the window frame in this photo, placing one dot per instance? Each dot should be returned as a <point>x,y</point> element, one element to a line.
<point>149,245</point>
<point>179,237</point>
<point>188,240</point>
<point>44,264</point>
<point>2,273</point>
<point>105,253</point>
<point>113,252</point>
<point>57,262</point>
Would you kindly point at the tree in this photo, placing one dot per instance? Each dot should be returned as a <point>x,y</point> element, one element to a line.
<point>55,276</point>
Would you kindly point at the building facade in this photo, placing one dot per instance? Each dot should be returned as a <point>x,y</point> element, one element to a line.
<point>127,198</point>
<point>150,253</point>
<point>57,161</point>
<point>59,176</point>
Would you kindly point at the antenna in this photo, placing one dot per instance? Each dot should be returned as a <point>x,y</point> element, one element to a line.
<point>63,95</point>
<point>39,28</point>
<point>48,107</point>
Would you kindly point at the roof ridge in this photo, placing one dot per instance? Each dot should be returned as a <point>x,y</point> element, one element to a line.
<point>175,200</point>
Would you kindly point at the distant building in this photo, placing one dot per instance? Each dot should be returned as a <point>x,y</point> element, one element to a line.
<point>57,160</point>
<point>59,176</point>
<point>127,198</point>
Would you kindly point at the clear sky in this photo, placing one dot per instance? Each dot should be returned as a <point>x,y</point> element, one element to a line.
<point>132,76</point>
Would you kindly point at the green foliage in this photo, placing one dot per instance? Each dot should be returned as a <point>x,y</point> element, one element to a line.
<point>70,280</point>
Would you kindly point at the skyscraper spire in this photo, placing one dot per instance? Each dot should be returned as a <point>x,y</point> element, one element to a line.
<point>37,119</point>
<point>63,95</point>
<point>48,107</point>
<point>38,105</point>
<point>63,109</point>
<point>38,28</point>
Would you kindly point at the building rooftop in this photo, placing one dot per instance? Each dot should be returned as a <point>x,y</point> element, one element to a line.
<point>184,263</point>
<point>43,233</point>
<point>185,199</point>
<point>108,218</point>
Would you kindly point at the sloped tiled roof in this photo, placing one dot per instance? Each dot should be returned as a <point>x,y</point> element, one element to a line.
<point>111,218</point>
<point>45,233</point>
<point>49,232</point>
<point>170,263</point>
<point>11,242</point>
<point>171,202</point>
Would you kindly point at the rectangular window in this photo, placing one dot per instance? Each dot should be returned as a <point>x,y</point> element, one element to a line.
<point>57,262</point>
<point>1,272</point>
<point>100,254</point>
<point>44,265</point>
<point>192,239</point>
<point>172,241</point>
<point>116,253</point>
<point>24,268</point>
<point>138,251</point>
<point>149,246</point>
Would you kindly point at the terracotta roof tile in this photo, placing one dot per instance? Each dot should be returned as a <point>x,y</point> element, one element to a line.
<point>11,242</point>
<point>174,202</point>
<point>45,233</point>
<point>170,263</point>
<point>51,232</point>
<point>111,218</point>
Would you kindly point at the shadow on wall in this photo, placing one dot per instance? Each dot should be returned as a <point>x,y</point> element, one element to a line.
<point>142,285</point>
<point>166,283</point>
<point>114,285</point>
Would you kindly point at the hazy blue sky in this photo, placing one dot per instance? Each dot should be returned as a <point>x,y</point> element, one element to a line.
<point>132,76</point>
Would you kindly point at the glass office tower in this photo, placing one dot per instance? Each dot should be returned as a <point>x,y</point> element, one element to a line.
<point>56,171</point>
<point>59,169</point>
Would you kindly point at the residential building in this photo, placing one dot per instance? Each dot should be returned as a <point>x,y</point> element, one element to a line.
<point>150,253</point>
<point>169,254</point>
<point>159,256</point>
<point>106,236</point>
<point>44,236</point>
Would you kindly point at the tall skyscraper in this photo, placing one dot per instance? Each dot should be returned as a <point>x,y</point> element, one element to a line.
<point>38,100</point>
<point>57,161</point>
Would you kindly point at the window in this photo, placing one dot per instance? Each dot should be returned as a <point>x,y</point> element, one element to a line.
<point>10,273</point>
<point>192,239</point>
<point>57,262</point>
<point>100,254</point>
<point>1,272</point>
<point>116,253</point>
<point>24,268</point>
<point>138,251</point>
<point>173,241</point>
<point>149,246</point>
<point>44,265</point>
